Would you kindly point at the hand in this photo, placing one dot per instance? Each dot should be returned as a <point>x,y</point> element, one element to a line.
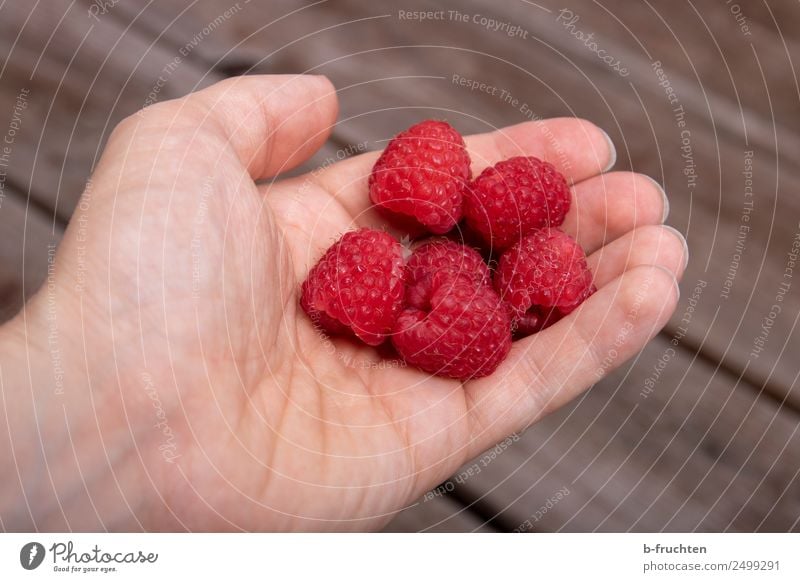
<point>166,378</point>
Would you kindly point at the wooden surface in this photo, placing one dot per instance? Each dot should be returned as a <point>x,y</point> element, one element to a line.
<point>713,446</point>
<point>438,515</point>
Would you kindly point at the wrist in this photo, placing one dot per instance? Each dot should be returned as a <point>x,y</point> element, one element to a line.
<point>67,466</point>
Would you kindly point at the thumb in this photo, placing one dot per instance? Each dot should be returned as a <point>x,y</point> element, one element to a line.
<point>272,123</point>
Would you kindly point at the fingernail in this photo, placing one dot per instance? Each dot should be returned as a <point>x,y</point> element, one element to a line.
<point>682,238</point>
<point>674,281</point>
<point>658,185</point>
<point>612,150</point>
<point>677,288</point>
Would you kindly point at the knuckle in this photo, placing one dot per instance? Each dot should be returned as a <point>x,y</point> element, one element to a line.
<point>661,246</point>
<point>661,236</point>
<point>649,197</point>
<point>126,127</point>
<point>159,117</point>
<point>645,200</point>
<point>168,127</point>
<point>650,292</point>
<point>673,243</point>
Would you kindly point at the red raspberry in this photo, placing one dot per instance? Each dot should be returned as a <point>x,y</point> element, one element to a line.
<point>543,277</point>
<point>535,320</point>
<point>462,330</point>
<point>357,286</point>
<point>441,255</point>
<point>422,174</point>
<point>514,198</point>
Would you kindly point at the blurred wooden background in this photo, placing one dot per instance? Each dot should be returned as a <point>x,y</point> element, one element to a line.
<point>704,437</point>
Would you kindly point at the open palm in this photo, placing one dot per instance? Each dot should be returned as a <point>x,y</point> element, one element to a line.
<point>188,290</point>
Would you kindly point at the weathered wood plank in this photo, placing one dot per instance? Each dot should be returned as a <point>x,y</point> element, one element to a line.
<point>738,77</point>
<point>199,31</point>
<point>777,16</point>
<point>692,452</point>
<point>699,43</point>
<point>438,515</point>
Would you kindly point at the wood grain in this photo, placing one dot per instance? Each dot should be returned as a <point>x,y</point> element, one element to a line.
<point>694,453</point>
<point>438,515</point>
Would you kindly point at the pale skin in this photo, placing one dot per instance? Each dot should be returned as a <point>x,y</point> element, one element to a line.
<point>166,378</point>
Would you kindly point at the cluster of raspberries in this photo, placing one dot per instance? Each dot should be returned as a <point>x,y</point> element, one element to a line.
<point>444,309</point>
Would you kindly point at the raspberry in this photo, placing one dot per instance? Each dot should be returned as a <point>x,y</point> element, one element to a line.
<point>461,329</point>
<point>422,174</point>
<point>535,320</point>
<point>513,198</point>
<point>441,255</point>
<point>543,277</point>
<point>357,286</point>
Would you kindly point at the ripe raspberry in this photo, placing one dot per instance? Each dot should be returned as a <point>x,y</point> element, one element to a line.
<point>542,278</point>
<point>462,330</point>
<point>441,255</point>
<point>514,197</point>
<point>357,286</point>
<point>535,320</point>
<point>422,174</point>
